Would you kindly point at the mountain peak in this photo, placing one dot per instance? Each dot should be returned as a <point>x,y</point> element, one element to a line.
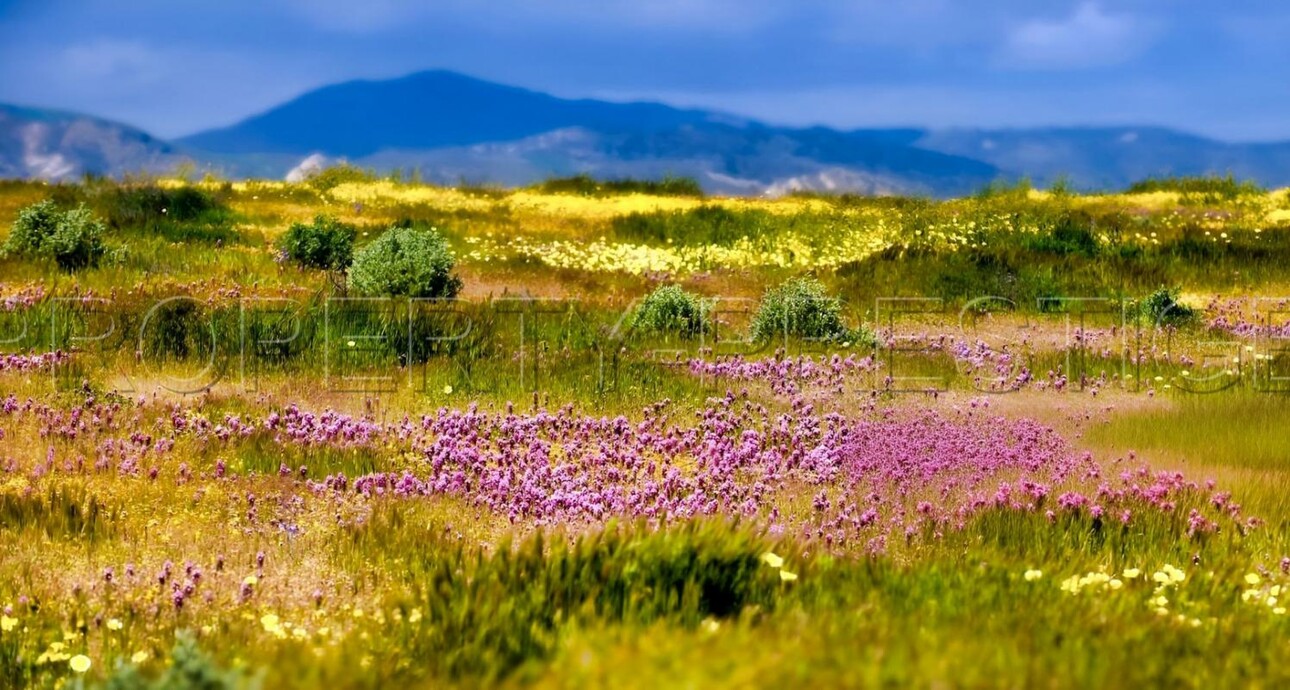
<point>424,110</point>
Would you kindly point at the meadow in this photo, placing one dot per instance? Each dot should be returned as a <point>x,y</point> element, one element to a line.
<point>366,432</point>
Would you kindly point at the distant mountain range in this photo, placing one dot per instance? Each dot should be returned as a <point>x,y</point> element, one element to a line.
<point>53,145</point>
<point>454,128</point>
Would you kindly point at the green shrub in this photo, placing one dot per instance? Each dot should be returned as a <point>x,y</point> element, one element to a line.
<point>1163,307</point>
<point>405,262</point>
<point>33,228</point>
<point>670,309</point>
<point>801,308</point>
<point>326,244</point>
<point>74,239</point>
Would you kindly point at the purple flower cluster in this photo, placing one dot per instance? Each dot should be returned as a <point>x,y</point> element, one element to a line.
<point>786,375</point>
<point>907,474</point>
<point>858,479</point>
<point>1239,317</point>
<point>328,428</point>
<point>33,362</point>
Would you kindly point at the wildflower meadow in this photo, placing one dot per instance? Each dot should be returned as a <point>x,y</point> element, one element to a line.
<point>370,433</point>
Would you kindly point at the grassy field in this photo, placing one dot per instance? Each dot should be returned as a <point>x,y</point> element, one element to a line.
<point>1022,439</point>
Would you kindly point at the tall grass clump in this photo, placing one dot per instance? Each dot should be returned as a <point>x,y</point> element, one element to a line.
<point>1067,234</point>
<point>490,613</point>
<point>1212,187</point>
<point>72,238</point>
<point>177,214</point>
<point>705,225</point>
<point>335,175</point>
<point>406,262</point>
<point>586,185</point>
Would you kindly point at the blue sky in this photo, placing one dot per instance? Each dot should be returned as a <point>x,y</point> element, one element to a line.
<point>177,66</point>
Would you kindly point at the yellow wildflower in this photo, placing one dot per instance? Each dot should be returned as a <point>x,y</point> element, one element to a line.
<point>772,560</point>
<point>1252,578</point>
<point>1032,575</point>
<point>114,624</point>
<point>138,657</point>
<point>271,623</point>
<point>786,576</point>
<point>80,663</point>
<point>7,623</point>
<point>1131,573</point>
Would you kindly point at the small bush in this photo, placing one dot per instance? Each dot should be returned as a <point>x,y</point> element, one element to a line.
<point>405,262</point>
<point>325,244</point>
<point>1163,307</point>
<point>800,307</point>
<point>670,309</point>
<point>33,228</point>
<point>74,239</point>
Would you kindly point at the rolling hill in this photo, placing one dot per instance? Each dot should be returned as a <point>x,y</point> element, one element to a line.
<point>53,144</point>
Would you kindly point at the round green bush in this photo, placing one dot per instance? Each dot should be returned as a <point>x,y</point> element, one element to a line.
<point>74,239</point>
<point>325,244</point>
<point>33,228</point>
<point>800,308</point>
<point>405,262</point>
<point>670,309</point>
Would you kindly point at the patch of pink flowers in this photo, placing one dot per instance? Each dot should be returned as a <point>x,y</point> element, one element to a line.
<point>34,362</point>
